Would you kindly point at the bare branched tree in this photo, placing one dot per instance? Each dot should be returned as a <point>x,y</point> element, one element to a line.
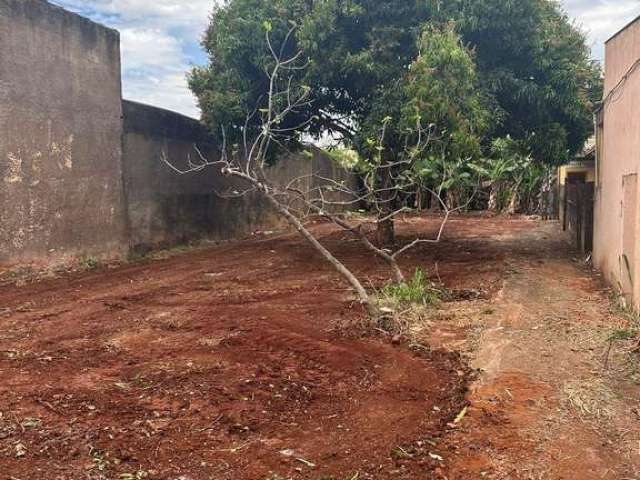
<point>386,201</point>
<point>249,163</point>
<point>314,194</point>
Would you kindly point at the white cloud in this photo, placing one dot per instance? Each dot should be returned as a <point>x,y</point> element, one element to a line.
<point>168,90</point>
<point>154,70</point>
<point>191,16</point>
<point>150,48</point>
<point>159,43</point>
<point>602,18</point>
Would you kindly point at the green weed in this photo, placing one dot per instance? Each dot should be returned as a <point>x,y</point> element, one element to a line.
<point>418,290</point>
<point>623,335</point>
<point>88,263</point>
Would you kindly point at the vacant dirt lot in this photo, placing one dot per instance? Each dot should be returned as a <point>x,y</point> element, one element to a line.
<point>235,362</point>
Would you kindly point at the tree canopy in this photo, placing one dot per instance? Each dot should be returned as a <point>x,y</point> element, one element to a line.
<point>355,51</point>
<point>535,66</point>
<point>533,70</point>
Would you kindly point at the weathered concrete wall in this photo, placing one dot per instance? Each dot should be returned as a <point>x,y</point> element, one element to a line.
<point>616,214</point>
<point>81,170</point>
<point>60,130</point>
<point>166,208</point>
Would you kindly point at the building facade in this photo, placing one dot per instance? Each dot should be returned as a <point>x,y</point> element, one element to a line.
<point>617,211</point>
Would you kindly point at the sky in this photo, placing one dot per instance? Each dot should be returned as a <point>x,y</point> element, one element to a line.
<point>160,40</point>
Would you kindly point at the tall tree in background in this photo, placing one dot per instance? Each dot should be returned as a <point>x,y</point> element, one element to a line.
<point>358,53</point>
<point>535,66</point>
<point>434,112</point>
<point>363,59</point>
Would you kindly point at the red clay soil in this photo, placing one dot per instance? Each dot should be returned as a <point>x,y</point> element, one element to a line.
<point>235,362</point>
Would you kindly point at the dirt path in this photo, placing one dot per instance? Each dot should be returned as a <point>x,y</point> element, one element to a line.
<point>233,363</point>
<point>544,406</point>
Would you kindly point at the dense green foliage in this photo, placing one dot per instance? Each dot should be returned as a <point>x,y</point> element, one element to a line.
<point>435,111</point>
<point>417,290</point>
<point>442,89</point>
<point>533,67</point>
<point>357,50</point>
<point>513,177</point>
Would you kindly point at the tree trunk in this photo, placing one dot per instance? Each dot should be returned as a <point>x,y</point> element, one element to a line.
<point>513,203</point>
<point>364,297</point>
<point>451,200</point>
<point>434,203</point>
<point>419,200</point>
<point>358,232</point>
<point>386,233</point>
<point>494,198</point>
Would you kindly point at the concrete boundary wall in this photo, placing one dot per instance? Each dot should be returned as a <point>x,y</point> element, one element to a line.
<point>80,169</point>
<point>60,130</point>
<point>166,208</point>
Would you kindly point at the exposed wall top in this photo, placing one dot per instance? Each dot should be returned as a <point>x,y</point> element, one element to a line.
<point>51,14</point>
<point>150,120</point>
<point>623,29</point>
<point>621,54</point>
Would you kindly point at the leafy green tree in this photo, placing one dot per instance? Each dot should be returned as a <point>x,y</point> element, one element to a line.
<point>535,66</point>
<point>356,51</point>
<point>359,57</point>
<point>513,177</point>
<point>443,90</point>
<point>419,134</point>
<point>499,169</point>
<point>399,64</point>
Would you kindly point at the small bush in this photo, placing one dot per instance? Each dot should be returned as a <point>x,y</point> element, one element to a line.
<point>418,290</point>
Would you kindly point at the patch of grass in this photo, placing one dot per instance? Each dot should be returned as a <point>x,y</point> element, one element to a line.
<point>624,341</point>
<point>19,276</point>
<point>88,263</point>
<point>137,256</point>
<point>418,290</point>
<point>620,307</point>
<point>408,305</point>
<point>623,335</point>
<point>99,458</point>
<point>172,251</point>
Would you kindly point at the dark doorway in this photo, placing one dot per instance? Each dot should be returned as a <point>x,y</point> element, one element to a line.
<point>576,177</point>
